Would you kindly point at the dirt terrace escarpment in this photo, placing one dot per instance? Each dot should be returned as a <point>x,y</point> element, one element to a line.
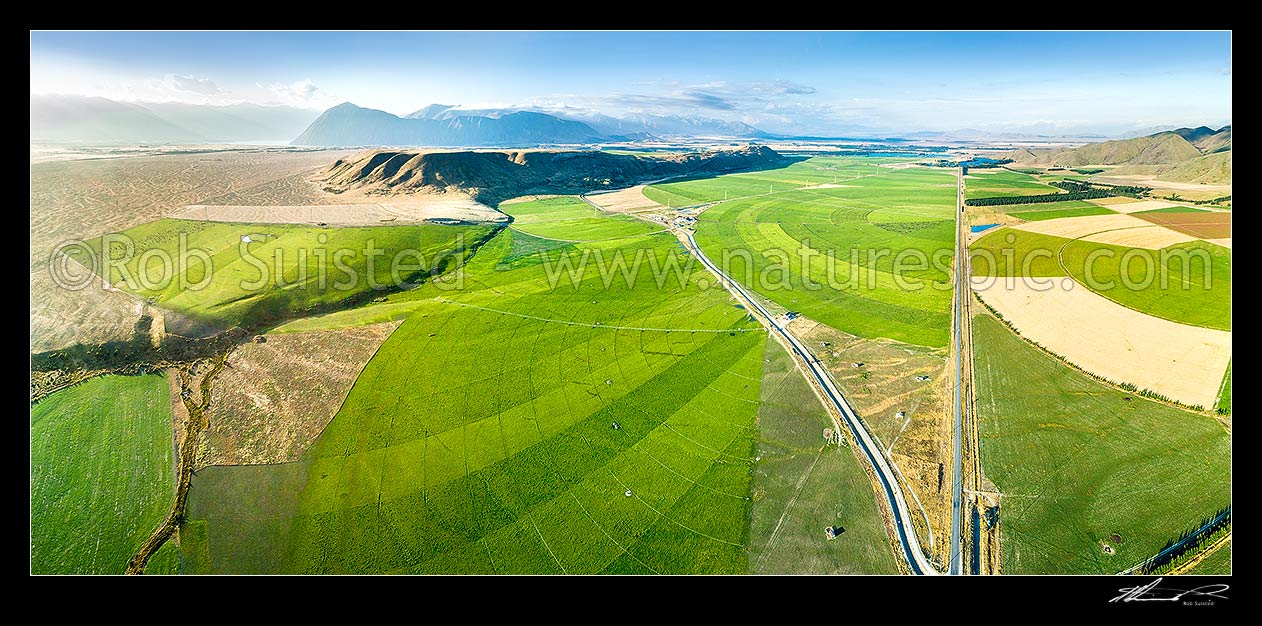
<point>492,177</point>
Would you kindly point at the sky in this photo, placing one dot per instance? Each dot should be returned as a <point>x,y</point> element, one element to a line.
<point>789,82</point>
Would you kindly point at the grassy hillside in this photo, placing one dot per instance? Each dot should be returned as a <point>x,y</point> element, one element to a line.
<point>1189,155</point>
<point>1211,169</point>
<point>281,270</point>
<point>102,474</point>
<point>1077,461</point>
<point>1160,149</point>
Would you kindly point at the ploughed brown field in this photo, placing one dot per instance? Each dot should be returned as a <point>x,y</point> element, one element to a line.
<point>1216,225</point>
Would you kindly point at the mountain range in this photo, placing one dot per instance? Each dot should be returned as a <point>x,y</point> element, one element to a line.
<point>93,119</point>
<point>442,125</point>
<point>350,125</point>
<point>68,118</point>
<point>1200,155</point>
<point>88,119</point>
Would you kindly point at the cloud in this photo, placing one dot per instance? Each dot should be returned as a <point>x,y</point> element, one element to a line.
<point>192,84</point>
<point>788,88</point>
<point>675,98</point>
<point>774,105</point>
<point>302,93</point>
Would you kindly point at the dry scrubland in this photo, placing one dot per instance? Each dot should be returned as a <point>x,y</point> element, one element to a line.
<point>274,398</point>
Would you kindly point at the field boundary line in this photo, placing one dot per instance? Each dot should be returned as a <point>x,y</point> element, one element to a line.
<point>1061,261</point>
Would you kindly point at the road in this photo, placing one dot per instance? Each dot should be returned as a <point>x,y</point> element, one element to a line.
<point>913,554</point>
<point>957,427</point>
<point>910,543</point>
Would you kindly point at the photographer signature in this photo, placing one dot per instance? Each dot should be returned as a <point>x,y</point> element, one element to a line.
<point>1152,593</point>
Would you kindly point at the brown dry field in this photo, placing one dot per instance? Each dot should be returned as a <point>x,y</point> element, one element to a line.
<point>1216,225</point>
<point>411,211</point>
<point>274,398</point>
<point>1195,191</point>
<point>1150,237</point>
<point>80,199</point>
<point>1075,227</point>
<point>920,443</point>
<point>629,200</point>
<point>1182,362</point>
<point>1131,205</point>
<point>1111,201</point>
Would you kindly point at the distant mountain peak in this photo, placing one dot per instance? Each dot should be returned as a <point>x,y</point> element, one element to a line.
<point>429,112</point>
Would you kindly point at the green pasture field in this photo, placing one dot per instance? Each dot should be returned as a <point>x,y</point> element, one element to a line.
<point>278,273</point>
<point>1076,461</point>
<point>1052,210</point>
<point>1032,216</point>
<point>1005,183</point>
<point>165,561</point>
<point>814,171</point>
<point>1188,294</point>
<point>800,485</point>
<point>500,428</point>
<point>569,219</point>
<point>102,474</point>
<point>853,235</point>
<point>1217,563</point>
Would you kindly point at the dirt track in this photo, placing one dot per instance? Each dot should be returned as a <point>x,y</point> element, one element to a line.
<point>410,211</point>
